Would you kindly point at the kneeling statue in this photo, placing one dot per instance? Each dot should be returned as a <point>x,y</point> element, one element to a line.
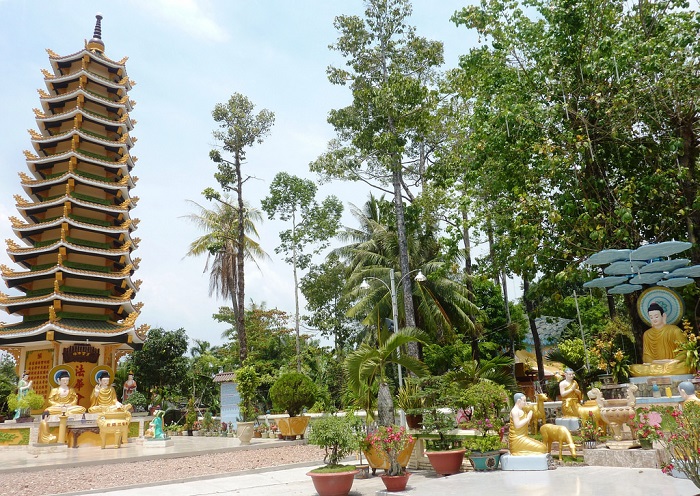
<point>519,442</point>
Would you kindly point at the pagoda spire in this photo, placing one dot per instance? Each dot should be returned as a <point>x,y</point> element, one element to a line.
<point>96,44</point>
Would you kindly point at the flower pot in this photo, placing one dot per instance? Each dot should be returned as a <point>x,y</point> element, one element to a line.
<point>378,459</point>
<point>590,444</point>
<point>257,434</point>
<point>291,427</point>
<point>485,460</point>
<point>245,432</point>
<point>395,482</point>
<point>272,435</point>
<point>446,462</point>
<point>335,484</point>
<point>414,421</point>
<point>646,444</point>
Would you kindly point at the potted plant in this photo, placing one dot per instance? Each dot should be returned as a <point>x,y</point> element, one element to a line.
<point>647,427</point>
<point>486,400</point>
<point>293,392</point>
<point>392,441</point>
<point>139,402</point>
<point>446,456</point>
<point>409,400</point>
<point>339,437</point>
<point>589,432</point>
<point>681,444</point>
<point>26,403</point>
<point>190,416</point>
<point>247,382</point>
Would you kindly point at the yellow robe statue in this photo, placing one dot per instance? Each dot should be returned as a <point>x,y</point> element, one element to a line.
<point>106,401</point>
<point>67,401</point>
<point>659,354</point>
<point>520,443</point>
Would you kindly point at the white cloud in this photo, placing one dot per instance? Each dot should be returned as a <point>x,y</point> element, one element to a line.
<point>196,18</point>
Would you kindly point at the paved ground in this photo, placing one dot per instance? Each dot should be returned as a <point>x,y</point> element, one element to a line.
<point>292,481</point>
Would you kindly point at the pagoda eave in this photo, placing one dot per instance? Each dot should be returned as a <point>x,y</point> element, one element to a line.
<point>49,332</point>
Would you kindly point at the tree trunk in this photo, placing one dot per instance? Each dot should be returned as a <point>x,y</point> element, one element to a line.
<point>296,292</point>
<point>529,308</point>
<point>474,337</point>
<point>240,266</point>
<point>638,325</point>
<point>385,405</point>
<point>404,265</point>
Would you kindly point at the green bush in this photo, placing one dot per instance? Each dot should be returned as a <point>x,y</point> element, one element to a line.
<point>338,436</point>
<point>247,382</point>
<point>30,401</point>
<point>292,392</point>
<point>138,401</point>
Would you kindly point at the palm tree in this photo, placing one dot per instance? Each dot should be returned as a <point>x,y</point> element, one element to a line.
<point>367,366</point>
<point>442,301</point>
<point>219,243</point>
<point>496,369</point>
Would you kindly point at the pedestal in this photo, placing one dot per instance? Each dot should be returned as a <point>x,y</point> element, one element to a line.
<point>524,462</point>
<point>158,443</point>
<point>571,423</point>
<point>62,423</point>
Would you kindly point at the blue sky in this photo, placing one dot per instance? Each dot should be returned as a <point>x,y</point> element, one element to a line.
<point>185,57</point>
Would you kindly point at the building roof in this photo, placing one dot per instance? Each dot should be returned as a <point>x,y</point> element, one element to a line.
<point>224,377</point>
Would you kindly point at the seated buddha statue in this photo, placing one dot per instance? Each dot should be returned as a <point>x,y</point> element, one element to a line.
<point>104,398</point>
<point>64,399</point>
<point>659,344</point>
<point>519,442</point>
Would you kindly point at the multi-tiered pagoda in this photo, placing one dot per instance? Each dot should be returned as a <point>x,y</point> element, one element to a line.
<point>74,227</point>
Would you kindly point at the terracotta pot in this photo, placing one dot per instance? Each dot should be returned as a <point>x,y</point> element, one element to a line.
<point>395,482</point>
<point>446,462</point>
<point>335,484</point>
<point>414,421</point>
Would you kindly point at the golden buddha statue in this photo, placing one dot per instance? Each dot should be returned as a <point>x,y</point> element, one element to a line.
<point>570,395</point>
<point>45,436</point>
<point>104,398</point>
<point>660,342</point>
<point>64,399</point>
<point>519,442</point>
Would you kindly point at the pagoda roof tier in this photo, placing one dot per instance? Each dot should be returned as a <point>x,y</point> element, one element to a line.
<point>14,304</point>
<point>18,253</point>
<point>123,104</point>
<point>124,184</point>
<point>33,208</point>
<point>124,120</point>
<point>17,277</point>
<point>120,283</point>
<point>73,330</point>
<point>60,61</point>
<point>62,79</point>
<point>126,142</point>
<point>23,230</point>
<point>125,163</point>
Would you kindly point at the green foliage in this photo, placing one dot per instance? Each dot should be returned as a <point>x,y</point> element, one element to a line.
<point>487,399</point>
<point>191,415</point>
<point>483,443</point>
<point>408,396</point>
<point>138,401</point>
<point>29,401</point>
<point>247,382</point>
<point>338,436</point>
<point>160,365</point>
<point>292,392</point>
<point>440,422</point>
<point>681,444</point>
<point>8,380</point>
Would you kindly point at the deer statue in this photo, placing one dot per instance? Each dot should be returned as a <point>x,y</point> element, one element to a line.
<point>538,413</point>
<point>559,433</point>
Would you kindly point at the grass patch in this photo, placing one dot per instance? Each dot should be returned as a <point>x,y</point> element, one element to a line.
<point>333,469</point>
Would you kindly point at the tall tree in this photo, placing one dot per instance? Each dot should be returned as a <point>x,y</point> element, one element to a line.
<point>239,129</point>
<point>220,243</point>
<point>293,200</point>
<point>389,71</point>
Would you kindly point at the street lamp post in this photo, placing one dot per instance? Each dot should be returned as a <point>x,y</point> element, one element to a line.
<point>394,302</point>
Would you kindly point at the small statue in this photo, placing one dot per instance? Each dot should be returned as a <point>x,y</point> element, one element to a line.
<point>519,442</point>
<point>129,388</point>
<point>687,391</point>
<point>155,429</point>
<point>64,399</point>
<point>23,387</point>
<point>659,344</point>
<point>104,398</point>
<point>45,436</point>
<point>559,433</point>
<point>570,395</point>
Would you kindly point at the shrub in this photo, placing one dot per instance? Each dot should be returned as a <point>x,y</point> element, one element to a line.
<point>30,401</point>
<point>338,436</point>
<point>247,382</point>
<point>138,401</point>
<point>292,392</point>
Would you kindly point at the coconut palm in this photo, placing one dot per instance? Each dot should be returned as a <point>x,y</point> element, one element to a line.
<point>219,243</point>
<point>442,301</point>
<point>367,365</point>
